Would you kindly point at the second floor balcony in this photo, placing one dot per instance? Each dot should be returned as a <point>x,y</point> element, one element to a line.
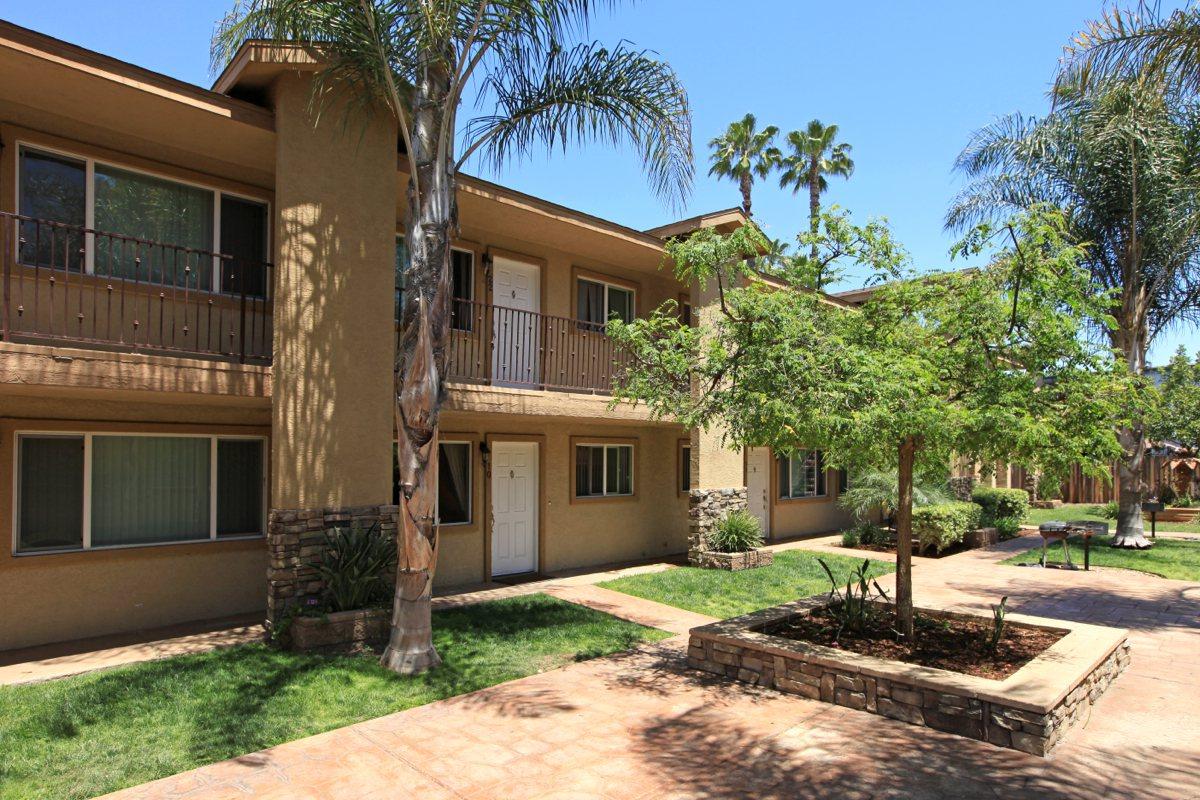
<point>75,286</point>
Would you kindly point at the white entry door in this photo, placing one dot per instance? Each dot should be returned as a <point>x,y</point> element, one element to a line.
<point>758,483</point>
<point>516,326</point>
<point>514,507</point>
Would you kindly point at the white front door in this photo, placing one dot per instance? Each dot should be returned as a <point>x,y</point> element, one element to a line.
<point>516,326</point>
<point>514,507</point>
<point>758,483</point>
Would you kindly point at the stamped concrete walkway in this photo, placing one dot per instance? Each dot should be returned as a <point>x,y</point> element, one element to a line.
<point>641,725</point>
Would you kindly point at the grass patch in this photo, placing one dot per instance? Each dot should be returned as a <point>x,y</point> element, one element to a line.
<point>1091,511</point>
<point>1169,558</point>
<point>723,594</point>
<point>88,735</point>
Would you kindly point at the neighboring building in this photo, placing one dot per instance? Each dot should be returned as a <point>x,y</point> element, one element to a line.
<point>178,427</point>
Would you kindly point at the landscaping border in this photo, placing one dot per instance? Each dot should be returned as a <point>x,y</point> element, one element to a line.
<point>1031,710</point>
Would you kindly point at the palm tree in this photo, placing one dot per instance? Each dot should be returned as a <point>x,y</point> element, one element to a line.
<point>1123,162</point>
<point>741,153</point>
<point>418,59</point>
<point>815,155</point>
<point>1139,41</point>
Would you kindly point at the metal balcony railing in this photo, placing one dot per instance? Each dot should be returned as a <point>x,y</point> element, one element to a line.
<point>66,284</point>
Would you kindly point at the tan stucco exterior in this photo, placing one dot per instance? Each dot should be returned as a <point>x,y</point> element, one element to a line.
<point>321,389</point>
<point>334,306</point>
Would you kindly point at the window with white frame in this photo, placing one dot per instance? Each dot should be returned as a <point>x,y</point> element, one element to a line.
<point>801,474</point>
<point>603,470</point>
<point>83,491</point>
<point>685,468</point>
<point>454,483</point>
<point>597,302</point>
<point>148,228</point>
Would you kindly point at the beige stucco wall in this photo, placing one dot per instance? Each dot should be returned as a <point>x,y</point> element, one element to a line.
<point>798,517</point>
<point>335,201</point>
<point>62,596</point>
<point>715,465</point>
<point>574,533</point>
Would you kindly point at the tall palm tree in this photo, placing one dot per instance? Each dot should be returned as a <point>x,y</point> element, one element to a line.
<point>741,153</point>
<point>523,62</point>
<point>1124,162</point>
<point>816,155</point>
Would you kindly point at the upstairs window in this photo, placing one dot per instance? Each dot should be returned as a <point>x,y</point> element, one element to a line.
<point>149,229</point>
<point>801,474</point>
<point>462,285</point>
<point>597,302</point>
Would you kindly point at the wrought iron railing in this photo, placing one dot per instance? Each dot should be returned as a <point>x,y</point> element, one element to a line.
<point>70,284</point>
<point>504,346</point>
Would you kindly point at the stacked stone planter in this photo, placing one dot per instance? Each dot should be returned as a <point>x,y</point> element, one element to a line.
<point>1031,710</point>
<point>339,629</point>
<point>706,507</point>
<point>296,545</point>
<point>734,562</point>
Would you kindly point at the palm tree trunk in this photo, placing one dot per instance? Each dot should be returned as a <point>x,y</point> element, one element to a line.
<point>746,183</point>
<point>1131,484</point>
<point>814,210</point>
<point>420,365</point>
<point>904,593</point>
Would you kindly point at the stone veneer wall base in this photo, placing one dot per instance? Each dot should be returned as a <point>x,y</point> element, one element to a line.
<point>705,509</point>
<point>296,545</point>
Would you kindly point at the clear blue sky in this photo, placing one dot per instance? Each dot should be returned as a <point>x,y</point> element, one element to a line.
<point>907,82</point>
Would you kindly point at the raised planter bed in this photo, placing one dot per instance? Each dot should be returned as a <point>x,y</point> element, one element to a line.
<point>982,537</point>
<point>1031,710</point>
<point>1172,514</point>
<point>748,559</point>
<point>340,629</point>
<point>1045,503</point>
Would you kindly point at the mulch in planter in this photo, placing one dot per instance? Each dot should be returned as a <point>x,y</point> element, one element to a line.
<point>957,645</point>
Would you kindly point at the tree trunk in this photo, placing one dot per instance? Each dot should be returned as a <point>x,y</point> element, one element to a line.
<point>746,183</point>
<point>904,543</point>
<point>1129,338</point>
<point>420,366</point>
<point>814,210</point>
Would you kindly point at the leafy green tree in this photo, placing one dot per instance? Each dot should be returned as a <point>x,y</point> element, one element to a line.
<point>742,153</point>
<point>1177,415</point>
<point>422,62</point>
<point>1121,162</point>
<point>986,363</point>
<point>816,156</point>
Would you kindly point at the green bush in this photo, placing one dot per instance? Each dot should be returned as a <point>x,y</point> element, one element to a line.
<point>851,538</point>
<point>1000,503</point>
<point>1110,510</point>
<point>1184,501</point>
<point>1007,527</point>
<point>870,533</point>
<point>358,568</point>
<point>943,525</point>
<point>736,532</point>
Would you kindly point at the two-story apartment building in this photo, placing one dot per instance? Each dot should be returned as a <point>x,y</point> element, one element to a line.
<point>197,334</point>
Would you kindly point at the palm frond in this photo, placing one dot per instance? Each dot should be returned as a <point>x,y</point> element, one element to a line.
<point>1138,42</point>
<point>589,93</point>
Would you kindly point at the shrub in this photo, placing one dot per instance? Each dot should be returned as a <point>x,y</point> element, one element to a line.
<point>1184,501</point>
<point>358,568</point>
<point>877,490</point>
<point>999,503</point>
<point>870,533</point>
<point>945,524</point>
<point>1110,510</point>
<point>1007,527</point>
<point>735,532</point>
<point>851,538</point>
<point>854,606</point>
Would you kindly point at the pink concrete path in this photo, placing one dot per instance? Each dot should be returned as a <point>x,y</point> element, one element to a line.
<point>641,725</point>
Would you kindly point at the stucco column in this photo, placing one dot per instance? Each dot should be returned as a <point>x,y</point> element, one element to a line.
<point>334,334</point>
<point>718,470</point>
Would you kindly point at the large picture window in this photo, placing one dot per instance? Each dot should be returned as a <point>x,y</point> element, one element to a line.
<point>802,474</point>
<point>149,228</point>
<point>603,470</point>
<point>88,491</point>
<point>454,483</point>
<point>596,302</point>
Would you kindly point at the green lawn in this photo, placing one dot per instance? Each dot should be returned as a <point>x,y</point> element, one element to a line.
<point>723,594</point>
<point>1091,511</point>
<point>84,736</point>
<point>1170,558</point>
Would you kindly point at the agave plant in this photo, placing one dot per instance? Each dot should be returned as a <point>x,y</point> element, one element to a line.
<point>358,567</point>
